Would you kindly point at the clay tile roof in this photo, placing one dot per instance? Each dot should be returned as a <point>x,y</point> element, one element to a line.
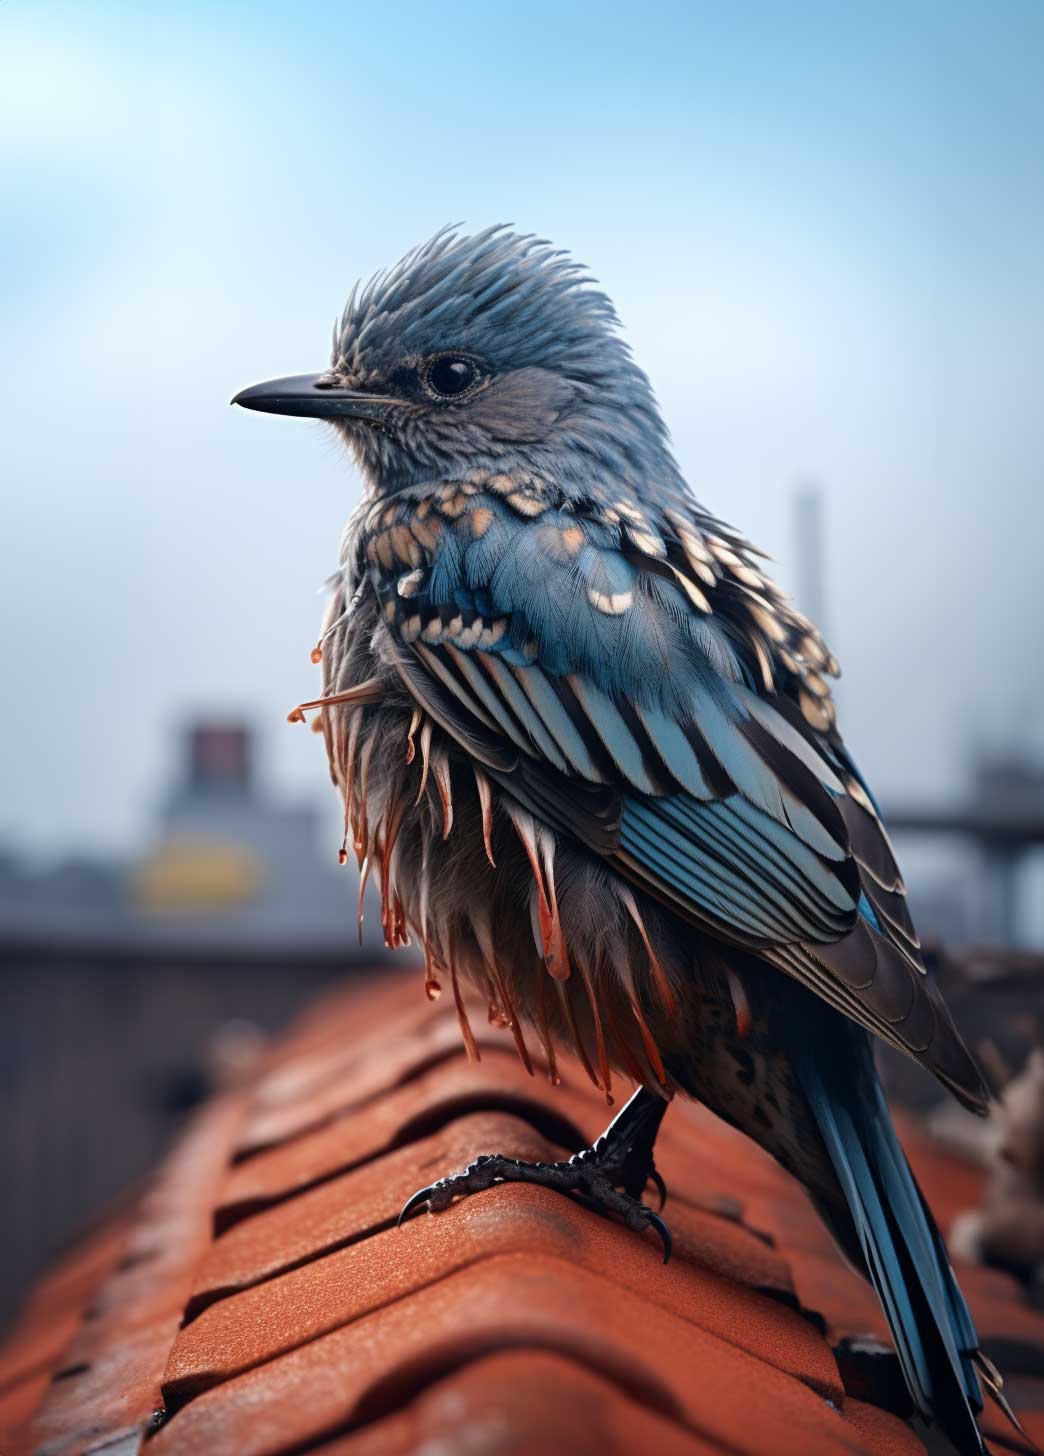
<point>258,1298</point>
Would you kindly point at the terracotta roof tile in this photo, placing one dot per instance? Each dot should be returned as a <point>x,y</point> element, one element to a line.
<point>426,1103</point>
<point>18,1402</point>
<point>880,1430</point>
<point>525,1300</point>
<point>329,1084</point>
<point>328,1292</point>
<point>520,1402</point>
<point>32,1355</point>
<point>349,1206</point>
<point>258,1295</point>
<point>55,1309</point>
<point>108,1378</point>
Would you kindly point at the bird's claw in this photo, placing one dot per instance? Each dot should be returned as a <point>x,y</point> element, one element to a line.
<point>588,1174</point>
<point>415,1201</point>
<point>656,1222</point>
<point>441,1193</point>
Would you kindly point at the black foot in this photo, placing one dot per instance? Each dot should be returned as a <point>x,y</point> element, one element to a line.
<point>610,1176</point>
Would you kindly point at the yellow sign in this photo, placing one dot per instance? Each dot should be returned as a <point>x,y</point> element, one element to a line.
<point>198,874</point>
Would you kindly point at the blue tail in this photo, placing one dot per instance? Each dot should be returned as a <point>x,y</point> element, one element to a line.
<point>894,1232</point>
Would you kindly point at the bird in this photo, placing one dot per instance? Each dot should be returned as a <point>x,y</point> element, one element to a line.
<point>590,752</point>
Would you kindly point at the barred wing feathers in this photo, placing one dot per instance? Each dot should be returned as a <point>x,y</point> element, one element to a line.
<point>632,679</point>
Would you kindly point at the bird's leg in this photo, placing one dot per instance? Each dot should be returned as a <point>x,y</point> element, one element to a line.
<point>609,1176</point>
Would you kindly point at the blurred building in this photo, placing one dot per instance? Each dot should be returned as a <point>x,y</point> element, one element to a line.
<point>226,867</point>
<point>972,865</point>
<point>1000,819</point>
<point>129,991</point>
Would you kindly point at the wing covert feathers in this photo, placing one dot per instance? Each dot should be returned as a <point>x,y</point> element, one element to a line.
<point>627,675</point>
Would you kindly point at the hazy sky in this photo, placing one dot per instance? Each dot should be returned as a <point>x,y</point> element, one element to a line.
<point>822,225</point>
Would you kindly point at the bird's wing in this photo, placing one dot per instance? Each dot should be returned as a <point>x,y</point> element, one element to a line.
<point>630,677</point>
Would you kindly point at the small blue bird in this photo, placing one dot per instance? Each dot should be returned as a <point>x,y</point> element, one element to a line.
<point>590,751</point>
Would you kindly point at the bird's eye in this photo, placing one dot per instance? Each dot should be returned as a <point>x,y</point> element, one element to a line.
<point>448,376</point>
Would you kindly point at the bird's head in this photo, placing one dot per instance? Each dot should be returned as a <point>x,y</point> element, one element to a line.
<point>488,351</point>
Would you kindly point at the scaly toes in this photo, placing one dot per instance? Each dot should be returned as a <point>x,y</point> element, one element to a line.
<point>581,1175</point>
<point>636,1216</point>
<point>480,1174</point>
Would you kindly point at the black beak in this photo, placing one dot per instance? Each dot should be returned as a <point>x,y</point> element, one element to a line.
<point>309,395</point>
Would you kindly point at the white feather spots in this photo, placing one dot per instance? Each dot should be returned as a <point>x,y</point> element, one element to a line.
<point>526,504</point>
<point>748,576</point>
<point>699,558</point>
<point>410,584</point>
<point>492,634</point>
<point>813,650</point>
<point>433,631</point>
<point>613,604</point>
<point>764,663</point>
<point>723,553</point>
<point>767,620</point>
<point>480,520</point>
<point>524,493</point>
<point>645,541</point>
<point>452,501</point>
<point>411,629</point>
<point>693,592</point>
<point>701,569</point>
<point>468,637</point>
<point>859,794</point>
<point>692,541</point>
<point>817,711</point>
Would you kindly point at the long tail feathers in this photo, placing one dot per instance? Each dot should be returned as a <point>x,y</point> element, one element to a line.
<point>991,1378</point>
<point>903,1251</point>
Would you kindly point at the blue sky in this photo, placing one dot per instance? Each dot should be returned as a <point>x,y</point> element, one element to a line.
<point>822,226</point>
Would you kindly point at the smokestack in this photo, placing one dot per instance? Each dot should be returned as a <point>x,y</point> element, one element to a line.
<point>808,542</point>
